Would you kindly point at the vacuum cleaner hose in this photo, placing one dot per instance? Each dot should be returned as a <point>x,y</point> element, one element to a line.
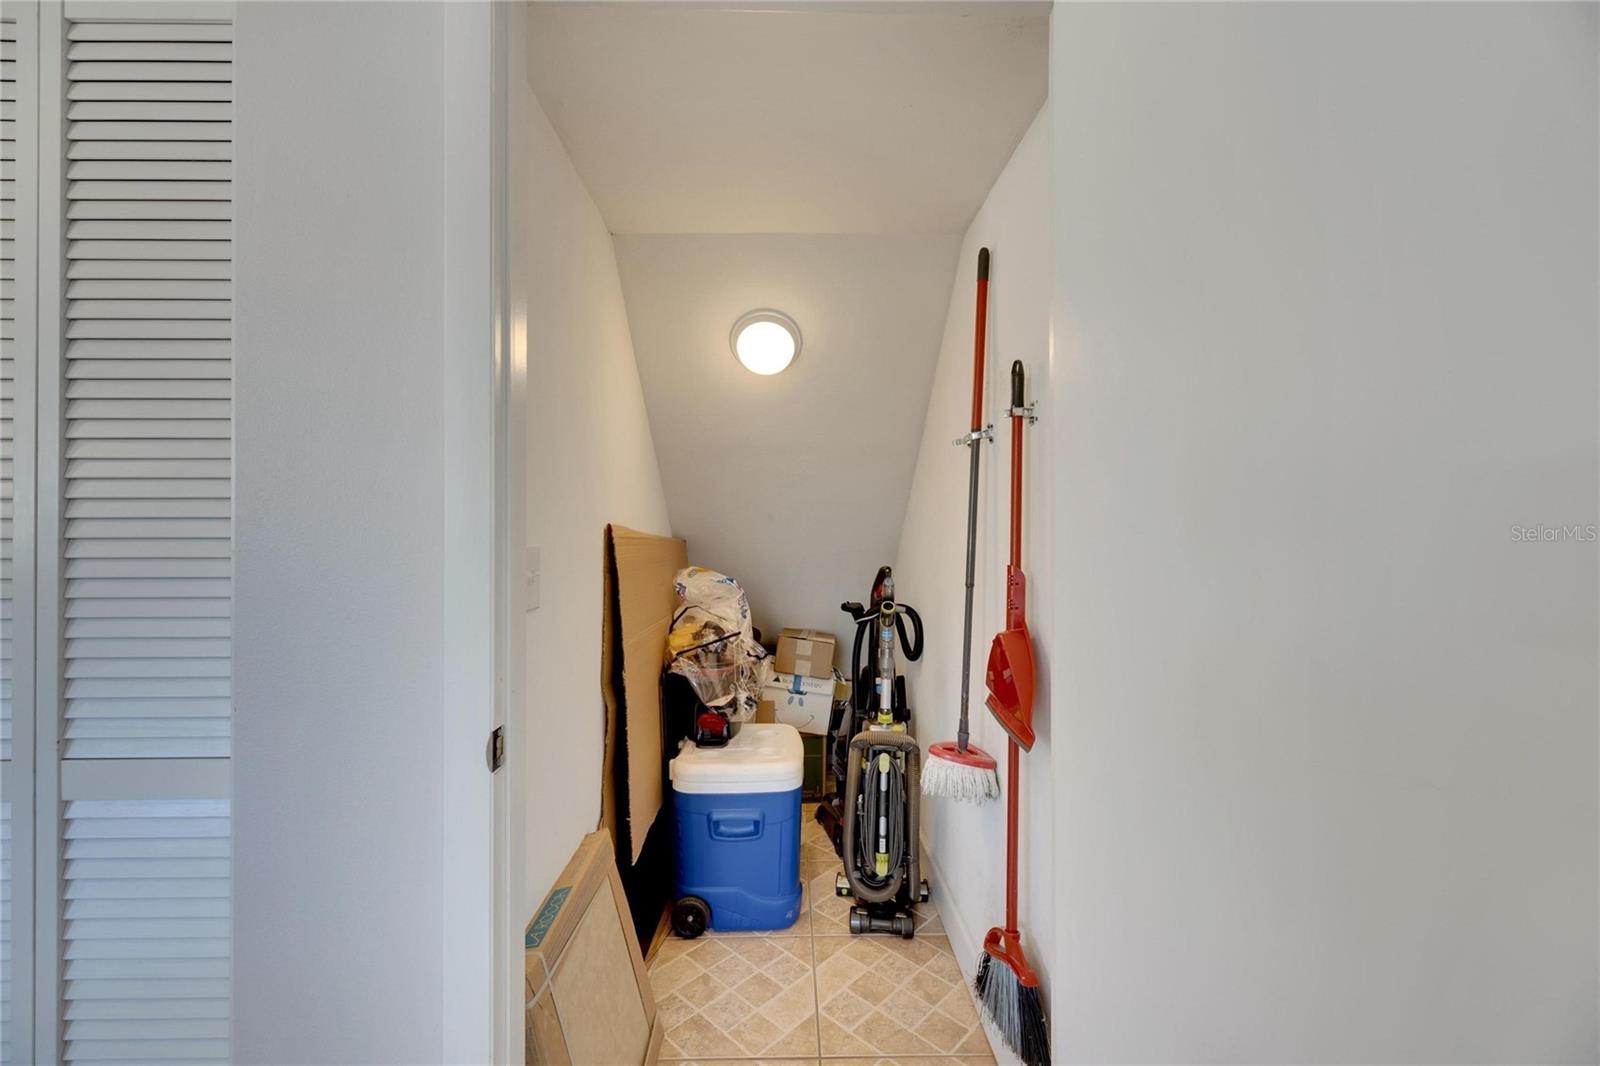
<point>883,794</point>
<point>900,794</point>
<point>860,691</point>
<point>913,649</point>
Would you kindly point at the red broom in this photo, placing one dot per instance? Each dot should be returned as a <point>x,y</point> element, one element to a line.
<point>957,769</point>
<point>1006,985</point>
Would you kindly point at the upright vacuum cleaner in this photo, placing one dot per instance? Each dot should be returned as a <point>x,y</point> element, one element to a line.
<point>873,823</point>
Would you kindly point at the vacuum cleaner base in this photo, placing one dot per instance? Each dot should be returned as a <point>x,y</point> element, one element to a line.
<point>883,919</point>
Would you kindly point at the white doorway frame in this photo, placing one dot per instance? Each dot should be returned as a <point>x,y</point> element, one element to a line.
<point>482,853</point>
<point>510,363</point>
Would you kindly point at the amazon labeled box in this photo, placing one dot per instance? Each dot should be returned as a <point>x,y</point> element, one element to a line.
<point>588,996</point>
<point>807,652</point>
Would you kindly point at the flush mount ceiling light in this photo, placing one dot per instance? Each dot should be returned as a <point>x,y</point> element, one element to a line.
<point>765,341</point>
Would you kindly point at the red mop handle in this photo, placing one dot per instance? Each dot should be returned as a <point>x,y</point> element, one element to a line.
<point>980,333</point>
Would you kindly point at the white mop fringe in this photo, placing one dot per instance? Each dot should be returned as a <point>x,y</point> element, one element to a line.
<point>966,784</point>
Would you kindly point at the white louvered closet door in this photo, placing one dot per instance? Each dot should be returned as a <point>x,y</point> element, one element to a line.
<point>135,462</point>
<point>19,216</point>
<point>10,162</point>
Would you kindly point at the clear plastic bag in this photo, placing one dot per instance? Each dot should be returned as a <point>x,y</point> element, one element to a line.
<point>712,643</point>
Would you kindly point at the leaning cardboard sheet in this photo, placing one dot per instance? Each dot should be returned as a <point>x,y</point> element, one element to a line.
<point>639,603</point>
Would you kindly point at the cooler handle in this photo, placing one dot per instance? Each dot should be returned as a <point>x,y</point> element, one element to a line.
<point>736,824</point>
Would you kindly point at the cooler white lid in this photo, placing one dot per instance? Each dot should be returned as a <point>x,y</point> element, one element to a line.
<point>761,757</point>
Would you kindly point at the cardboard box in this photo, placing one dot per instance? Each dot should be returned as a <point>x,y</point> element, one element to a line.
<point>588,996</point>
<point>807,652</point>
<point>640,569</point>
<point>803,702</point>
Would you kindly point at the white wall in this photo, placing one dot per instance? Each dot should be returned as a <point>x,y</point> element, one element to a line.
<point>1325,731</point>
<point>968,842</point>
<point>590,461</point>
<point>794,484</point>
<point>350,747</point>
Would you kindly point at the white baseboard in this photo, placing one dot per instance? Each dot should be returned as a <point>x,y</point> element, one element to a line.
<point>966,946</point>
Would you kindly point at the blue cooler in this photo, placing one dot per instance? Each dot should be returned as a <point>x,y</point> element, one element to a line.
<point>737,810</point>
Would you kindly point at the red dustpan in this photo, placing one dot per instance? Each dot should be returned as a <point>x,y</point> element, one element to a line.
<point>1010,672</point>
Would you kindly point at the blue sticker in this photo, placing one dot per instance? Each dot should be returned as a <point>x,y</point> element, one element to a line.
<point>546,917</point>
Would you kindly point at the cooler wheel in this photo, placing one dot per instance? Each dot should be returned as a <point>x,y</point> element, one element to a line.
<point>691,916</point>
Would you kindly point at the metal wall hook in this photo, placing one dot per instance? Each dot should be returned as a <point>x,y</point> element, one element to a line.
<point>974,436</point>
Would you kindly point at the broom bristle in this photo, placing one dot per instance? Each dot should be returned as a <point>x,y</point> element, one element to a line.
<point>969,784</point>
<point>1015,1012</point>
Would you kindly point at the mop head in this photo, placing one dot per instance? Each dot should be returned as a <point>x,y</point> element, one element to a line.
<point>1013,1009</point>
<point>968,776</point>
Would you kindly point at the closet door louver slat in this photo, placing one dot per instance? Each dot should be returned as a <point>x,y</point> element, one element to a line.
<point>145,926</point>
<point>148,394</point>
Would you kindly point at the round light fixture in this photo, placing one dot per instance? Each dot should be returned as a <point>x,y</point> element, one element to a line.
<point>765,341</point>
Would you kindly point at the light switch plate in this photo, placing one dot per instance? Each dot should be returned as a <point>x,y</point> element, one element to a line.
<point>530,569</point>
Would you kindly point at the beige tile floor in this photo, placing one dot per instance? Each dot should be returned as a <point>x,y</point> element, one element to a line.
<point>813,993</point>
